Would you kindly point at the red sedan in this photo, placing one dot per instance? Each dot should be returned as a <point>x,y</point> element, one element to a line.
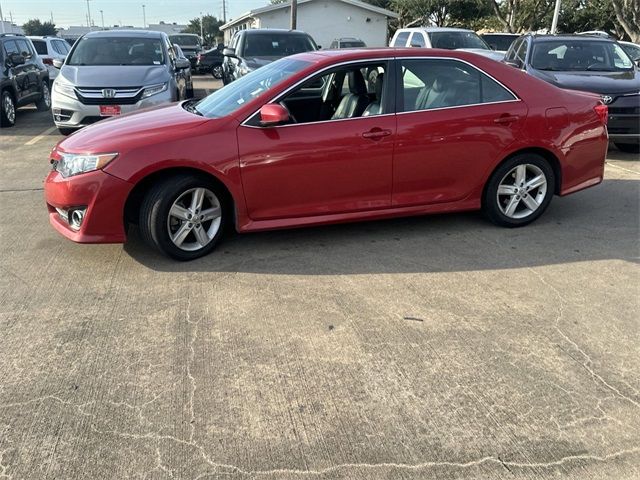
<point>328,137</point>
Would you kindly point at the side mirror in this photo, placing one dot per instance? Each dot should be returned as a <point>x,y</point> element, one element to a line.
<point>57,63</point>
<point>229,52</point>
<point>16,59</point>
<point>415,45</point>
<point>182,64</point>
<point>638,62</point>
<point>273,114</point>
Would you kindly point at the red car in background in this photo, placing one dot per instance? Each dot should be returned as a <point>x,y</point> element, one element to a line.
<point>326,137</point>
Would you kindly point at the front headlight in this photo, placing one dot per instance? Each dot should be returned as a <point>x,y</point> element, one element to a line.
<point>65,89</point>
<point>154,90</point>
<point>71,164</point>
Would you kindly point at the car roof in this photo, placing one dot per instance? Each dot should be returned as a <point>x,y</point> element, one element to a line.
<point>434,29</point>
<point>500,33</point>
<point>255,31</point>
<point>124,33</point>
<point>582,38</point>
<point>373,53</point>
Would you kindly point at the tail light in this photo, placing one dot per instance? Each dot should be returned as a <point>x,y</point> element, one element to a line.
<point>48,61</point>
<point>603,113</point>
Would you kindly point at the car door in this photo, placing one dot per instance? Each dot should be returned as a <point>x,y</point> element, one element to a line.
<point>30,67</point>
<point>322,165</point>
<point>18,72</point>
<point>453,123</point>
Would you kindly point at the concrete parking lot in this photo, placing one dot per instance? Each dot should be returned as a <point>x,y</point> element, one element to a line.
<point>434,347</point>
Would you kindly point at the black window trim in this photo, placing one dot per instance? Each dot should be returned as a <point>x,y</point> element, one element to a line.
<point>400,89</point>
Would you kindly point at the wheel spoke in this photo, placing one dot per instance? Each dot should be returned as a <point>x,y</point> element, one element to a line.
<point>197,199</point>
<point>521,174</point>
<point>179,212</point>
<point>210,214</point>
<point>201,235</point>
<point>536,182</point>
<point>181,234</point>
<point>506,190</point>
<point>531,203</point>
<point>514,201</point>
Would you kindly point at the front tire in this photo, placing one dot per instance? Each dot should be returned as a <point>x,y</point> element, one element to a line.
<point>217,72</point>
<point>7,109</point>
<point>628,147</point>
<point>183,217</point>
<point>44,104</point>
<point>519,191</point>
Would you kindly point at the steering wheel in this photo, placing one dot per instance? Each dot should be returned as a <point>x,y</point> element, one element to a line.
<point>596,64</point>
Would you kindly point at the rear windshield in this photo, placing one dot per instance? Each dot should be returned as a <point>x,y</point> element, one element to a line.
<point>41,46</point>
<point>499,42</point>
<point>185,40</point>
<point>117,51</point>
<point>276,45</point>
<point>352,44</point>
<point>580,56</point>
<point>455,40</point>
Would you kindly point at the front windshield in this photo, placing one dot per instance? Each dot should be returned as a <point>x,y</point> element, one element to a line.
<point>117,51</point>
<point>276,44</point>
<point>231,97</point>
<point>191,40</point>
<point>580,56</point>
<point>455,40</point>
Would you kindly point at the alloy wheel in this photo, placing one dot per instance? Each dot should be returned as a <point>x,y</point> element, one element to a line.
<point>9,108</point>
<point>46,95</point>
<point>194,219</point>
<point>521,191</point>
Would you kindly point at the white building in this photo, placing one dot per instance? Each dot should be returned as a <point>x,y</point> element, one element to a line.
<point>8,27</point>
<point>324,20</point>
<point>168,28</point>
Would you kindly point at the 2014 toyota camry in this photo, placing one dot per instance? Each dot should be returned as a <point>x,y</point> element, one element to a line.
<point>326,137</point>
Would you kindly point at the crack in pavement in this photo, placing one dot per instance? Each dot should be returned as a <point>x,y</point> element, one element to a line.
<point>585,365</point>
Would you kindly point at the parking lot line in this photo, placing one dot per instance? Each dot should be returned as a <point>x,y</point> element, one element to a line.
<point>622,168</point>
<point>37,138</point>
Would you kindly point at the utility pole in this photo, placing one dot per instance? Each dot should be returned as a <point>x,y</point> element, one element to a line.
<point>2,19</point>
<point>294,14</point>
<point>224,11</point>
<point>556,14</point>
<point>102,17</point>
<point>51,17</point>
<point>201,29</point>
<point>144,16</point>
<point>88,15</point>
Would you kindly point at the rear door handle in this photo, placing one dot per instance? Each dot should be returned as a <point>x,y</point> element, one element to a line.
<point>376,133</point>
<point>505,119</point>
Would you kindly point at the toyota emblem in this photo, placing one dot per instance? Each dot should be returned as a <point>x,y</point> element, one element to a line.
<point>607,99</point>
<point>108,93</point>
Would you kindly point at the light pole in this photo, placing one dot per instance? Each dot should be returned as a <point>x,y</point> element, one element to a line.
<point>294,14</point>
<point>102,17</point>
<point>201,28</point>
<point>2,19</point>
<point>88,15</point>
<point>556,14</point>
<point>144,16</point>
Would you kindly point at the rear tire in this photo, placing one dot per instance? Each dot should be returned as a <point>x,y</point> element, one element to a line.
<point>628,147</point>
<point>44,104</point>
<point>7,109</point>
<point>216,72</point>
<point>519,191</point>
<point>183,217</point>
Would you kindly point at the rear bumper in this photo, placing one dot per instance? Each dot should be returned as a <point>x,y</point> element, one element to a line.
<point>624,119</point>
<point>104,197</point>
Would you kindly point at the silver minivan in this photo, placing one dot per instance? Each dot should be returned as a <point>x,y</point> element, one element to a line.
<point>109,73</point>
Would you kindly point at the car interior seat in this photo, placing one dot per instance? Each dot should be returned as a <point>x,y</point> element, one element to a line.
<point>375,107</point>
<point>354,102</point>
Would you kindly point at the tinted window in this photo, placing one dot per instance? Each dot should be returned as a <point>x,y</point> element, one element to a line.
<point>24,47</point>
<point>117,51</point>
<point>276,45</point>
<point>454,40</point>
<point>185,40</point>
<point>351,44</point>
<point>431,84</point>
<point>10,47</point>
<point>60,47</point>
<point>401,39</point>
<point>231,97</point>
<point>417,40</point>
<point>41,46</point>
<point>499,42</point>
<point>580,55</point>
<point>632,50</point>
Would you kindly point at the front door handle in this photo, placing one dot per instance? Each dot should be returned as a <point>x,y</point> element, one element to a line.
<point>376,133</point>
<point>506,119</point>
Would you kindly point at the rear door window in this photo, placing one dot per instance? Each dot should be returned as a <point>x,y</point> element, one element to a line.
<point>401,39</point>
<point>41,47</point>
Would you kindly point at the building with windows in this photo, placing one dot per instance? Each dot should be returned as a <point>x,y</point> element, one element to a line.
<point>324,20</point>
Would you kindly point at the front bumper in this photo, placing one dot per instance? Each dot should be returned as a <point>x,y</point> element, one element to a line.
<point>624,119</point>
<point>104,197</point>
<point>72,113</point>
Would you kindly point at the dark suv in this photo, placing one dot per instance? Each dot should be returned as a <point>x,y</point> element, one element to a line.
<point>591,64</point>
<point>24,79</point>
<point>252,49</point>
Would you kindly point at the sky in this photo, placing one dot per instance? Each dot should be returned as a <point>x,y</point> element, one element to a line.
<point>126,12</point>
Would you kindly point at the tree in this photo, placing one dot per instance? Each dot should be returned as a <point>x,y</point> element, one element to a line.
<point>436,12</point>
<point>521,15</point>
<point>37,28</point>
<point>628,15</point>
<point>211,30</point>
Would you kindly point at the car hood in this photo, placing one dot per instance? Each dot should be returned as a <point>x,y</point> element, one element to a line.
<point>143,127</point>
<point>596,82</point>
<point>114,76</point>
<point>492,54</point>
